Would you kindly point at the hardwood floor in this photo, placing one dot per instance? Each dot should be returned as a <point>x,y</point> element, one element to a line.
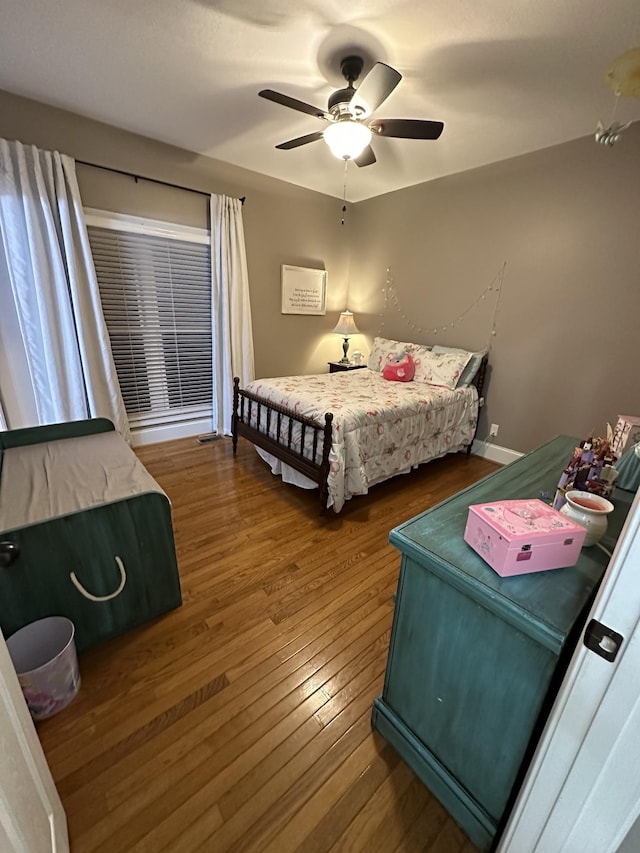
<point>241,720</point>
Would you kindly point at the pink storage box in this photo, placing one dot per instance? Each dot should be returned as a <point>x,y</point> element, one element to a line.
<point>517,537</point>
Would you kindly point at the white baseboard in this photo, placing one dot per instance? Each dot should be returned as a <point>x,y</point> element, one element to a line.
<point>495,452</point>
<point>167,432</point>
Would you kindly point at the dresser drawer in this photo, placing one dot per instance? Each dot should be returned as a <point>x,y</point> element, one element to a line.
<point>468,684</point>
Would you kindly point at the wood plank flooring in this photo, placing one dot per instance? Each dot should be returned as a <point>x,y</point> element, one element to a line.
<point>241,720</point>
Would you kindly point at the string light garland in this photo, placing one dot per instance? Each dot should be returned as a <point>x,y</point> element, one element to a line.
<point>389,292</point>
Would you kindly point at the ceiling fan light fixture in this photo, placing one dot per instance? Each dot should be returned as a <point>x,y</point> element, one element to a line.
<point>347,138</point>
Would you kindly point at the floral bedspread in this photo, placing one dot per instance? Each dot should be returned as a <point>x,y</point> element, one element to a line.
<point>380,428</point>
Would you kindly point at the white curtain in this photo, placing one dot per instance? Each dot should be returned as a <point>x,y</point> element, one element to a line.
<point>55,290</point>
<point>232,337</point>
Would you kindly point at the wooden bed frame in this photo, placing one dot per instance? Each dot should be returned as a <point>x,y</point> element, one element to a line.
<point>315,466</point>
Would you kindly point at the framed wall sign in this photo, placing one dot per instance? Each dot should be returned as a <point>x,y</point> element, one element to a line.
<point>303,290</point>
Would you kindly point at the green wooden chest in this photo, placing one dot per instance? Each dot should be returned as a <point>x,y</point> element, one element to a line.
<point>108,568</point>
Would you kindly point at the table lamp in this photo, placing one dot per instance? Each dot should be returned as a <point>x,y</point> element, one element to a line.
<point>346,327</point>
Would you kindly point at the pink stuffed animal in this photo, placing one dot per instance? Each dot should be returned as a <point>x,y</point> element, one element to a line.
<point>401,369</point>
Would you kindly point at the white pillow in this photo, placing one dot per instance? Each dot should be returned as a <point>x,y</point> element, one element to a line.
<point>468,374</point>
<point>384,351</point>
<point>442,369</point>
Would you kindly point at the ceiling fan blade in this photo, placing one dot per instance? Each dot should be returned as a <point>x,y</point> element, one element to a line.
<point>374,89</point>
<point>292,103</point>
<point>407,128</point>
<point>367,158</point>
<point>300,140</point>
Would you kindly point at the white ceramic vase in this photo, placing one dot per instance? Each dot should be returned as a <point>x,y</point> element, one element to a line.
<point>590,511</point>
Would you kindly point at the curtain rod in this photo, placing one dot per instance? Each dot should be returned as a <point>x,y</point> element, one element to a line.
<point>144,178</point>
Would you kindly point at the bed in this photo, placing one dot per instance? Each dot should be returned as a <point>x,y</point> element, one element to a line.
<point>345,432</point>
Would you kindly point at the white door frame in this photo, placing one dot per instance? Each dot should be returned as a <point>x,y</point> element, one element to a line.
<point>582,791</point>
<point>31,814</point>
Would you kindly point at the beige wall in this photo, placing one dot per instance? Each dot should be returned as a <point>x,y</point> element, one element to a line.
<point>566,221</point>
<point>283,224</point>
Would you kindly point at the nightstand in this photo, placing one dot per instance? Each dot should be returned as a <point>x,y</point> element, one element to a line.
<point>337,366</point>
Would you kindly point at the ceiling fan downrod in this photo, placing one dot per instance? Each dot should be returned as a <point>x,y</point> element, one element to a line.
<point>351,68</point>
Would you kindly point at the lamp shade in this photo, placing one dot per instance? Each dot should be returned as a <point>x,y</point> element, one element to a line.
<point>346,325</point>
<point>347,138</point>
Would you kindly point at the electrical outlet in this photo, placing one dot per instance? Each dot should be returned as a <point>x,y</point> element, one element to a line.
<point>493,432</point>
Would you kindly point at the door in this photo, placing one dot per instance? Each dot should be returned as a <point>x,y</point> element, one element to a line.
<point>582,792</point>
<point>31,814</point>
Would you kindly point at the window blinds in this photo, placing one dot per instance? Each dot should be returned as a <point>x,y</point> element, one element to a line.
<point>156,298</point>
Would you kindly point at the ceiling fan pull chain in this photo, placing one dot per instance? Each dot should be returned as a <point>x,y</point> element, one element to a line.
<point>344,192</point>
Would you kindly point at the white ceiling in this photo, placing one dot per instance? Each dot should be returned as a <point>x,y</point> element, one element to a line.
<point>505,76</point>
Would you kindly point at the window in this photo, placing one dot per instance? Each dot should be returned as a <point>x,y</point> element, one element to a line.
<point>155,286</point>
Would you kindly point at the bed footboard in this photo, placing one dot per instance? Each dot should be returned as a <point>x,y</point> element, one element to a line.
<point>293,439</point>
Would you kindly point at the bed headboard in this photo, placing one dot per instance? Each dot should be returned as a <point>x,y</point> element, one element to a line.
<point>479,378</point>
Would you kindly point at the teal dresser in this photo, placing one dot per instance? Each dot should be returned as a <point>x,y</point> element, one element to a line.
<point>475,659</point>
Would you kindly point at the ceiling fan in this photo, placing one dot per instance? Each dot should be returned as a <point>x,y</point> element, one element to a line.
<point>350,129</point>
